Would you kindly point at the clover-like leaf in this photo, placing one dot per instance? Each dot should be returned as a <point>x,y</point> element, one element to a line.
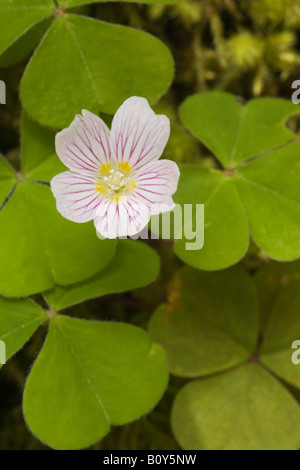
<point>209,325</point>
<point>233,132</point>
<point>270,280</point>
<point>18,16</point>
<point>281,301</point>
<point>97,54</point>
<point>200,326</point>
<point>38,247</point>
<point>93,375</point>
<point>18,321</point>
<point>227,243</point>
<point>257,193</point>
<point>244,409</point>
<point>7,179</point>
<point>47,90</point>
<point>134,265</point>
<point>269,191</point>
<point>39,159</point>
<point>25,44</point>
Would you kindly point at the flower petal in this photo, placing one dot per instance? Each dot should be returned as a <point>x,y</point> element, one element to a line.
<point>77,198</point>
<point>84,146</point>
<point>155,184</point>
<point>138,135</point>
<point>120,219</point>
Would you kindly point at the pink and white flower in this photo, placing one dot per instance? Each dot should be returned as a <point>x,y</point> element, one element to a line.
<point>115,178</point>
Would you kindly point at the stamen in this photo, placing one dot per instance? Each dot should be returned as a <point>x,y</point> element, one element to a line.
<point>115,182</point>
<point>100,188</point>
<point>105,168</point>
<point>124,166</point>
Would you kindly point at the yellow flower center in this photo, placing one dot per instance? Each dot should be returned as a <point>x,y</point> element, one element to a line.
<point>115,181</point>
